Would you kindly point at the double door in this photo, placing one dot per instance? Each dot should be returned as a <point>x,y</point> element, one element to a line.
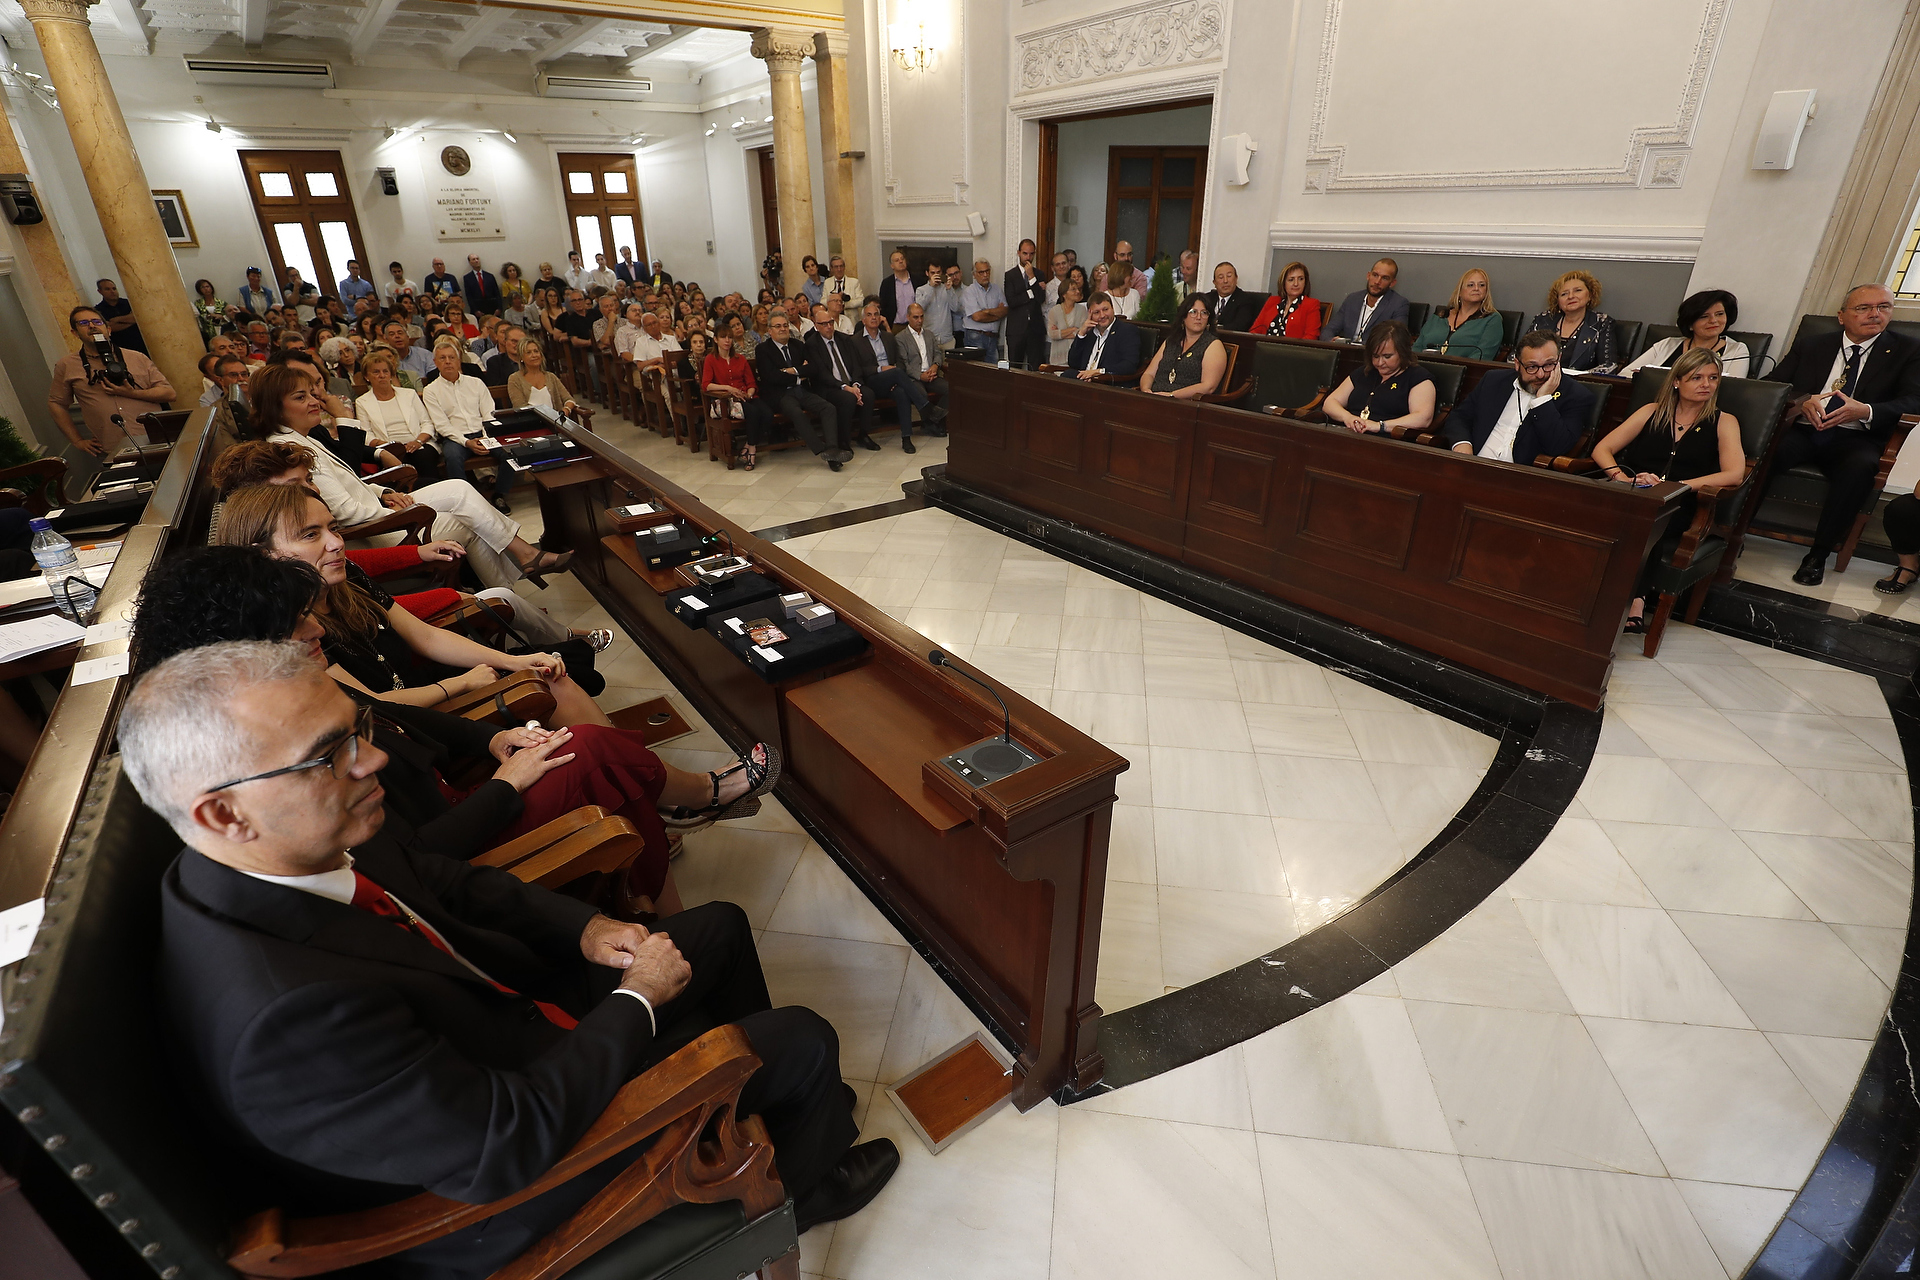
<point>306,215</point>
<point>603,205</point>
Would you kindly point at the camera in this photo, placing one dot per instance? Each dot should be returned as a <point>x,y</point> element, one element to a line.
<point>112,368</point>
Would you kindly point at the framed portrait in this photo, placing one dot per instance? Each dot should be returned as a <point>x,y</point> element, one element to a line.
<point>176,220</point>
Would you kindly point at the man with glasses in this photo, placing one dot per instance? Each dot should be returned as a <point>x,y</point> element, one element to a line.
<point>1516,415</point>
<point>1851,388</point>
<point>89,377</point>
<point>374,1018</point>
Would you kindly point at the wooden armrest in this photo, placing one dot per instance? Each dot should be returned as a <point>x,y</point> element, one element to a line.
<point>416,520</point>
<point>1708,501</point>
<point>606,845</point>
<point>52,472</point>
<point>491,614</point>
<point>1578,466</point>
<point>400,478</point>
<point>525,696</point>
<point>678,1099</point>
<point>12,498</point>
<point>1228,397</point>
<point>505,855</point>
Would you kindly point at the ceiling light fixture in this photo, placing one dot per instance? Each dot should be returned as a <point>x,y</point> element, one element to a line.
<point>768,120</point>
<point>508,135</point>
<point>213,126</point>
<point>712,129</point>
<point>908,41</point>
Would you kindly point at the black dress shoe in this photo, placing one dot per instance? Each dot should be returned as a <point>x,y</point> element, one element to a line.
<point>849,1186</point>
<point>1812,570</point>
<point>833,464</point>
<point>839,455</point>
<point>868,442</point>
<point>906,446</point>
<point>853,1099</point>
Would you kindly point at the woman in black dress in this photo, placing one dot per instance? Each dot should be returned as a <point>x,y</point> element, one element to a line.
<point>1388,390</point>
<point>1682,436</point>
<point>1191,362</point>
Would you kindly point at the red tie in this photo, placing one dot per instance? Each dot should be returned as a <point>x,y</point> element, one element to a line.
<point>369,896</point>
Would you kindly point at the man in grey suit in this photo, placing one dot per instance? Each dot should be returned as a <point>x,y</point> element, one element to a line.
<point>920,361</point>
<point>1366,307</point>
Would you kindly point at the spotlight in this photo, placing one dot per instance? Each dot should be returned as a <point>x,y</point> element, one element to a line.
<point>712,129</point>
<point>387,132</point>
<point>508,135</point>
<point>213,126</point>
<point>768,120</point>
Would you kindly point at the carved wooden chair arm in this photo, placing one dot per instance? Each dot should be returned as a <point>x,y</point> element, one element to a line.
<point>547,833</point>
<point>401,478</point>
<point>416,520</point>
<point>507,702</point>
<point>1566,462</point>
<point>1228,397</point>
<point>489,615</point>
<point>53,489</point>
<point>1706,505</point>
<point>1891,454</point>
<point>678,1099</point>
<point>606,844</point>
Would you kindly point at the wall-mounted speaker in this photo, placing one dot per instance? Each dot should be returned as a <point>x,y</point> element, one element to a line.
<point>976,225</point>
<point>1787,116</point>
<point>388,185</point>
<point>21,205</point>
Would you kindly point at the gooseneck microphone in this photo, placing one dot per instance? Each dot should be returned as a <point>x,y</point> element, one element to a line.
<point>939,659</point>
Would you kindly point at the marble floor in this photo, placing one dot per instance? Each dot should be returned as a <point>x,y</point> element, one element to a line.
<point>1772,563</point>
<point>1621,1064</point>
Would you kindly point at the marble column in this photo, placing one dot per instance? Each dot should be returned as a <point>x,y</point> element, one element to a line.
<point>784,50</point>
<point>836,139</point>
<point>42,242</point>
<point>149,276</point>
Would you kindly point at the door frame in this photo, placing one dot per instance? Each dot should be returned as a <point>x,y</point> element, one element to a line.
<point>1047,149</point>
<point>263,207</point>
<point>631,165</point>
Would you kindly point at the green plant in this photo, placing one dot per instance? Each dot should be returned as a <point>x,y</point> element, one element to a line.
<point>1160,303</point>
<point>15,452</point>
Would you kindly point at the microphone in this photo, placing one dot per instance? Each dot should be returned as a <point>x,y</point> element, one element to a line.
<point>939,659</point>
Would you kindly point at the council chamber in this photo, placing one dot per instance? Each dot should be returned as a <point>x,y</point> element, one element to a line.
<point>1043,639</point>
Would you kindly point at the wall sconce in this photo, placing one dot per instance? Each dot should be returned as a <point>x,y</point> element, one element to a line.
<point>908,40</point>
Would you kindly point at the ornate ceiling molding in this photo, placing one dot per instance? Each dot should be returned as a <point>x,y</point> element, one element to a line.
<point>1326,161</point>
<point>1142,37</point>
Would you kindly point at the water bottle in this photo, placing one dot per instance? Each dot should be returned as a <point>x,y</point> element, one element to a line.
<point>73,595</point>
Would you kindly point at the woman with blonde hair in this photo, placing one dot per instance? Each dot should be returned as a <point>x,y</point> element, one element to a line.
<point>393,415</point>
<point>533,384</point>
<point>1573,315</point>
<point>1470,326</point>
<point>1682,436</point>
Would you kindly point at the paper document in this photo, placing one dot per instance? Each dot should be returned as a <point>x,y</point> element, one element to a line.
<point>116,629</point>
<point>37,635</point>
<point>94,669</point>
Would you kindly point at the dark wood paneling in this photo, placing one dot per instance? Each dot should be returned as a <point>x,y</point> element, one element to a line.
<point>1002,886</point>
<point>1518,572</point>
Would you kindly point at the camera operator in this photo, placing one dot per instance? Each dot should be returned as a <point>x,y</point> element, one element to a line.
<point>108,382</point>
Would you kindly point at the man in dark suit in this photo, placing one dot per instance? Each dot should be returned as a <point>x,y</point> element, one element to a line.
<point>1517,415</point>
<point>781,373</point>
<point>1106,345</point>
<point>1853,386</point>
<point>482,290</point>
<point>1026,293</point>
<point>1232,306</point>
<point>627,269</point>
<point>836,370</point>
<point>366,1024</point>
<point>1364,308</point>
<point>884,373</point>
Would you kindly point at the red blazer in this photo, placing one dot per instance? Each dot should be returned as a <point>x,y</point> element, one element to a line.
<point>1306,320</point>
<point>421,604</point>
<point>736,373</point>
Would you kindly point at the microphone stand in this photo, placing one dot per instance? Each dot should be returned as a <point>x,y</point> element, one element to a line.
<point>939,659</point>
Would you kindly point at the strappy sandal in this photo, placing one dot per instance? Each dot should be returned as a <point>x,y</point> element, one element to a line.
<point>1893,585</point>
<point>544,563</point>
<point>747,459</point>
<point>1635,626</point>
<point>599,639</point>
<point>762,767</point>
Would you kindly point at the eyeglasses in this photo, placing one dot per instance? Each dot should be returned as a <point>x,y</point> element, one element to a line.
<point>1545,366</point>
<point>340,757</point>
<point>95,323</point>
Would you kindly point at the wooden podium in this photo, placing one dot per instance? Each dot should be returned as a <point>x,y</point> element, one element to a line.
<point>1000,887</point>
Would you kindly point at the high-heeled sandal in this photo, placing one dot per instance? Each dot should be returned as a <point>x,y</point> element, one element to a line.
<point>599,639</point>
<point>762,767</point>
<point>1894,585</point>
<point>537,569</point>
<point>1635,626</point>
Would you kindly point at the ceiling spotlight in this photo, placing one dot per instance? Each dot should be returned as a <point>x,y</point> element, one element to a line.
<point>768,120</point>
<point>213,126</point>
<point>508,135</point>
<point>712,129</point>
<point>387,132</point>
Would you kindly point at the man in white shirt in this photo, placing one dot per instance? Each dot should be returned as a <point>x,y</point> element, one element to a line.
<point>576,274</point>
<point>1058,278</point>
<point>1518,415</point>
<point>842,283</point>
<point>459,407</point>
<point>649,349</point>
<point>600,277</point>
<point>836,304</point>
<point>392,290</point>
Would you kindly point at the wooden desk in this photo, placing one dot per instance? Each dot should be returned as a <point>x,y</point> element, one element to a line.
<point>1002,889</point>
<point>1521,573</point>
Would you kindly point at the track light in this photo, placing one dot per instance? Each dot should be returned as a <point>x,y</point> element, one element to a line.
<point>508,135</point>
<point>712,129</point>
<point>768,120</point>
<point>213,126</point>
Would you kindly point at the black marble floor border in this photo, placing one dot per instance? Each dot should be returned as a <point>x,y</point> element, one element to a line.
<point>846,519</point>
<point>1858,1214</point>
<point>1545,748</point>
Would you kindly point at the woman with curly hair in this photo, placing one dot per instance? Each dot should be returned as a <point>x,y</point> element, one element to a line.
<point>1573,315</point>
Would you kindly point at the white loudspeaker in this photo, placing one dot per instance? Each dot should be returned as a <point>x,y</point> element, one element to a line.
<point>976,225</point>
<point>1787,115</point>
<point>1238,149</point>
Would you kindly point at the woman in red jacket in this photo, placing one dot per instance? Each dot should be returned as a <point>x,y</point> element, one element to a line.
<point>731,391</point>
<point>1291,310</point>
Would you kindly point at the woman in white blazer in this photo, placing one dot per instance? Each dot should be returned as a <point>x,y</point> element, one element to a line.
<point>1704,320</point>
<point>393,416</point>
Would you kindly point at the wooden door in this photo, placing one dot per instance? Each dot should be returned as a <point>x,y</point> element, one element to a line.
<point>1154,196</point>
<point>603,205</point>
<point>770,199</point>
<point>306,215</point>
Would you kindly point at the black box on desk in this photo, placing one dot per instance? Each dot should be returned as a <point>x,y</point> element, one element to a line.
<point>694,605</point>
<point>672,552</point>
<point>800,653</point>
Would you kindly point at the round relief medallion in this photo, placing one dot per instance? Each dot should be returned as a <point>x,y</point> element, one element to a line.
<point>456,161</point>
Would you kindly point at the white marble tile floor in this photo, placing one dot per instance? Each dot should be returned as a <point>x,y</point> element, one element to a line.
<point>1620,1065</point>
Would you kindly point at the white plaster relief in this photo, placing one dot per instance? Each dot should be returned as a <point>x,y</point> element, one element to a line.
<point>1139,38</point>
<point>939,124</point>
<point>1630,170</point>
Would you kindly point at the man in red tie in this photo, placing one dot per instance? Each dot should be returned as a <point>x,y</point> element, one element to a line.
<point>366,1019</point>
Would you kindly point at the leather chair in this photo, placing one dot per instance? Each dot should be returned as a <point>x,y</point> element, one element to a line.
<point>1447,378</point>
<point>1755,343</point>
<point>163,425</point>
<point>1626,338</point>
<point>1811,325</point>
<point>1789,509</point>
<point>1290,381</point>
<point>83,1079</point>
<point>1417,313</point>
<point>1510,322</point>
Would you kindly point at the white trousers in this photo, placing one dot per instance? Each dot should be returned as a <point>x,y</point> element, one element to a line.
<point>531,621</point>
<point>465,517</point>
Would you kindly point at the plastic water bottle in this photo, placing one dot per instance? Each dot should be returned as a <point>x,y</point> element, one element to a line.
<point>73,595</point>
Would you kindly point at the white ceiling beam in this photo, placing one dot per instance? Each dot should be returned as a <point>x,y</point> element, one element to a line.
<point>253,22</point>
<point>132,23</point>
<point>489,21</point>
<point>585,31</point>
<point>371,25</point>
<point>656,43</point>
